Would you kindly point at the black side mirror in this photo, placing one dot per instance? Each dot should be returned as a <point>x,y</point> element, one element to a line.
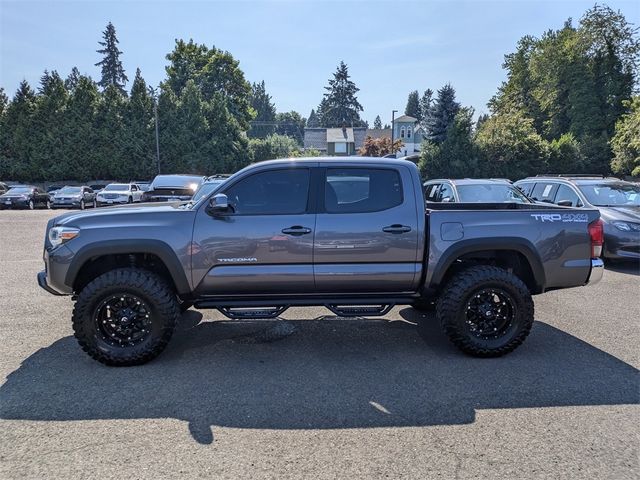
<point>219,204</point>
<point>565,203</point>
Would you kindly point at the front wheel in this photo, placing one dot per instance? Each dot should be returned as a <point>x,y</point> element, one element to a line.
<point>48,204</point>
<point>125,317</point>
<point>82,205</point>
<point>31,205</point>
<point>486,311</point>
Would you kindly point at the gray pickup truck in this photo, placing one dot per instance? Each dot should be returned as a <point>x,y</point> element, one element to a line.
<point>353,234</point>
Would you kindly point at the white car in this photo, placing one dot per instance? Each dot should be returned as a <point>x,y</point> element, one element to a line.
<point>119,193</point>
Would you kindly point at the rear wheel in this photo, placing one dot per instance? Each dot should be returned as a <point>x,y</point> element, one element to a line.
<point>31,205</point>
<point>125,317</point>
<point>486,311</point>
<point>48,204</point>
<point>130,200</point>
<point>82,205</point>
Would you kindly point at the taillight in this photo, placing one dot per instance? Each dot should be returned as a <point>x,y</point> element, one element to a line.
<point>596,232</point>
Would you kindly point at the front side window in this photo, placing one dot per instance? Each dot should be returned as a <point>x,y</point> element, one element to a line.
<point>431,192</point>
<point>446,194</point>
<point>491,193</point>
<point>276,192</point>
<point>567,194</point>
<point>544,192</point>
<point>360,190</point>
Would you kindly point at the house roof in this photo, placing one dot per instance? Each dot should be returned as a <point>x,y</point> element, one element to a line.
<point>378,133</point>
<point>406,119</point>
<point>339,135</point>
<point>315,138</point>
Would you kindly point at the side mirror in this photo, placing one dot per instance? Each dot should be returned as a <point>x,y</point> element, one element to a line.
<point>565,203</point>
<point>447,200</point>
<point>219,204</point>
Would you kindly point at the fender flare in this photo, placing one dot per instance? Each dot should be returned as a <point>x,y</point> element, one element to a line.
<point>514,244</point>
<point>113,247</point>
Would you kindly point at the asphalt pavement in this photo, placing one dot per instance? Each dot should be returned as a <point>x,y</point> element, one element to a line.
<point>315,396</point>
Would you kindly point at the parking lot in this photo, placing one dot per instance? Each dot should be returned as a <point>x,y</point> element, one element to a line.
<point>316,395</point>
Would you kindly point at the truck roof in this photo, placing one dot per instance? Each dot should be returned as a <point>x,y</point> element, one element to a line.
<point>349,159</point>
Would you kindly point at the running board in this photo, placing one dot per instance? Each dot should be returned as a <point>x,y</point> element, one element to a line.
<point>360,310</point>
<point>250,313</point>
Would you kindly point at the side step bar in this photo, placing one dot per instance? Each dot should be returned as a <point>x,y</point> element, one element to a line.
<point>253,313</point>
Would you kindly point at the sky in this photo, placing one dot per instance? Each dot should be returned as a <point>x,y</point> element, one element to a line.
<point>391,47</point>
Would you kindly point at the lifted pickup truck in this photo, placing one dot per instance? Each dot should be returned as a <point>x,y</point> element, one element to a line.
<point>354,235</point>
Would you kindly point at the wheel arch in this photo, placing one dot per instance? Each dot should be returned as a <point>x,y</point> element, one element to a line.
<point>517,254</point>
<point>99,257</point>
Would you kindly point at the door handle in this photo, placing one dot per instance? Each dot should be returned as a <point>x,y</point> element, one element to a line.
<point>296,230</point>
<point>396,228</point>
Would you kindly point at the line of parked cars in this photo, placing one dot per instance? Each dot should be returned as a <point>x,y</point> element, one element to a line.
<point>163,188</point>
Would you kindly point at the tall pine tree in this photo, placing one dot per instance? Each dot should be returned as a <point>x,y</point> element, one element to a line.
<point>442,114</point>
<point>112,69</point>
<point>340,106</point>
<point>413,106</point>
<point>377,123</point>
<point>313,121</point>
<point>262,124</point>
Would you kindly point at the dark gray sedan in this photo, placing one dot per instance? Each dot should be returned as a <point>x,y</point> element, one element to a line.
<point>617,200</point>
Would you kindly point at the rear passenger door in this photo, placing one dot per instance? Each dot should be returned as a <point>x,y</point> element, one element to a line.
<point>366,237</point>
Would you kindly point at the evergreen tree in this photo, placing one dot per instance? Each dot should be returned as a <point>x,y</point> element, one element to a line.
<point>441,114</point>
<point>457,156</point>
<point>112,69</point>
<point>425,106</point>
<point>340,105</point>
<point>313,121</point>
<point>72,80</point>
<point>265,112</point>
<point>481,119</point>
<point>48,138</point>
<point>139,143</point>
<point>4,101</point>
<point>377,123</point>
<point>110,135</point>
<point>80,134</point>
<point>16,144</point>
<point>413,106</point>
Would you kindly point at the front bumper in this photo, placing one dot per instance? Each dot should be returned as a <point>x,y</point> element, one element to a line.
<point>42,281</point>
<point>619,245</point>
<point>56,266</point>
<point>15,203</point>
<point>597,270</point>
<point>66,204</point>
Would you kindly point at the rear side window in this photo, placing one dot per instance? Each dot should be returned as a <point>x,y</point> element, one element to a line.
<point>276,192</point>
<point>446,194</point>
<point>544,192</point>
<point>361,190</point>
<point>431,192</point>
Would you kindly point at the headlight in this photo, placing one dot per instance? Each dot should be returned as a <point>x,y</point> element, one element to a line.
<point>627,226</point>
<point>59,235</point>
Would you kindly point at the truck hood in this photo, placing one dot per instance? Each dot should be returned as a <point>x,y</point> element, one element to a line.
<point>124,211</point>
<point>628,213</point>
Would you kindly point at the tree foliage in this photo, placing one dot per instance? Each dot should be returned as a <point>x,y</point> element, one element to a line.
<point>272,147</point>
<point>377,123</point>
<point>379,147</point>
<point>626,141</point>
<point>292,125</point>
<point>112,69</point>
<point>441,114</point>
<point>340,106</point>
<point>265,112</point>
<point>413,106</point>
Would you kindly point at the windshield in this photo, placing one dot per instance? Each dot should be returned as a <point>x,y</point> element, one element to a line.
<point>116,187</point>
<point>69,190</point>
<point>205,189</point>
<point>20,190</point>
<point>490,193</point>
<point>611,194</point>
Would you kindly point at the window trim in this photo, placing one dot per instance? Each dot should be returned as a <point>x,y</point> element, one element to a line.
<point>309,209</point>
<point>322,180</point>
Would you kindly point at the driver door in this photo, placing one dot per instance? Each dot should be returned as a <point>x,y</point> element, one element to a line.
<point>264,243</point>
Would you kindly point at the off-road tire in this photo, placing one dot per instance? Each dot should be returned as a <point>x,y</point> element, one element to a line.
<point>452,304</point>
<point>145,285</point>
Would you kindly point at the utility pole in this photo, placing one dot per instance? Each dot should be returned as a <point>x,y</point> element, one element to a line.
<point>393,118</point>
<point>154,95</point>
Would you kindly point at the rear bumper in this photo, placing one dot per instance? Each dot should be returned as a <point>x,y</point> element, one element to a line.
<point>597,270</point>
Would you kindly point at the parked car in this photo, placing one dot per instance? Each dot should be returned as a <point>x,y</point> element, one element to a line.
<point>24,196</point>
<point>97,187</point>
<point>166,188</point>
<point>617,200</point>
<point>471,190</point>
<point>131,270</point>
<point>119,193</point>
<point>51,191</point>
<point>4,188</point>
<point>74,197</point>
<point>143,185</point>
<point>208,186</point>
